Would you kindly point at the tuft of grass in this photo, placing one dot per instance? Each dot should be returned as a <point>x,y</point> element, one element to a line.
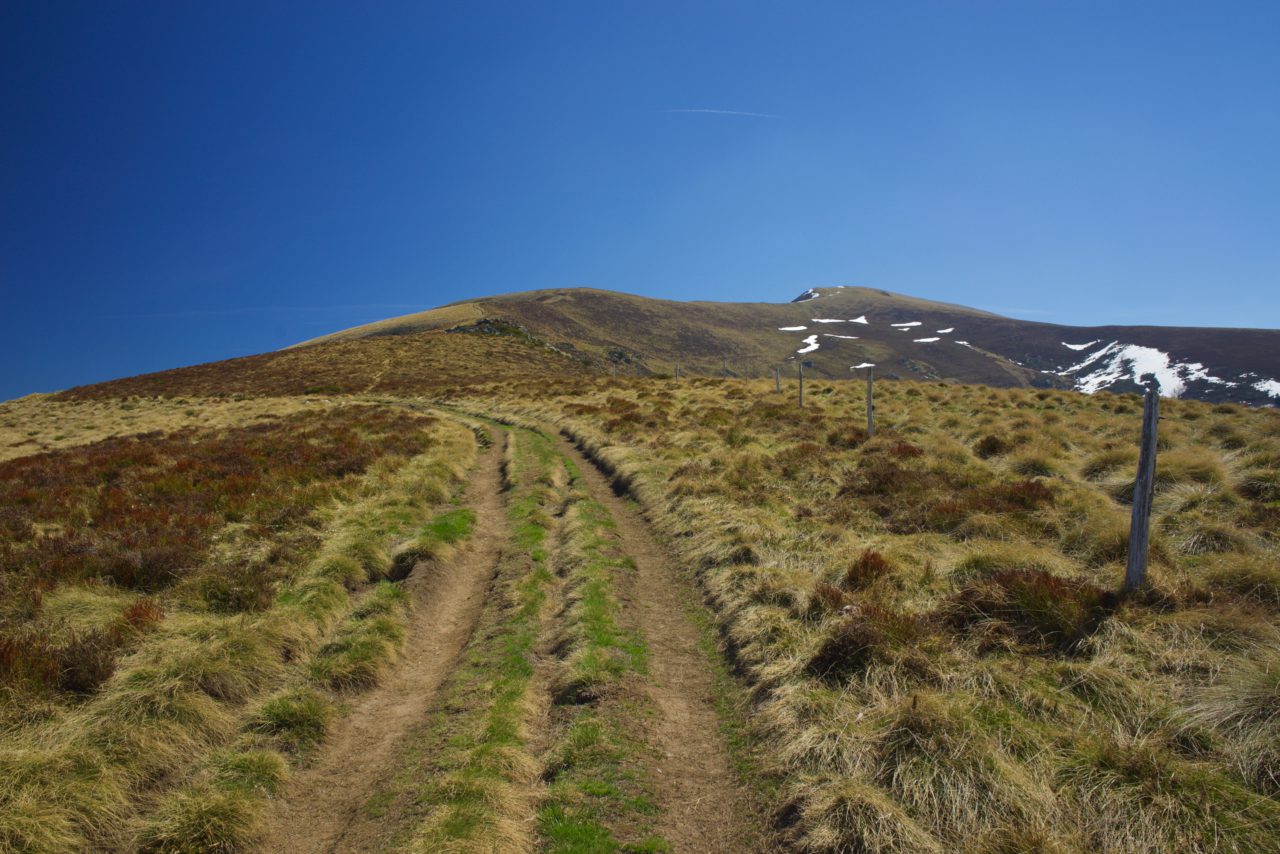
<point>296,719</point>
<point>1243,705</point>
<point>367,645</point>
<point>1056,612</point>
<point>204,819</point>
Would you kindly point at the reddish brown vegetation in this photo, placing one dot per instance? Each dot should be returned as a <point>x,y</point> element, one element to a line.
<point>872,633</point>
<point>141,513</point>
<point>866,570</point>
<point>1035,605</point>
<point>81,661</point>
<point>389,364</point>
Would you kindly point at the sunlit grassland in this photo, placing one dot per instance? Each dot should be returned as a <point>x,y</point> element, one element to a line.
<point>931,615</point>
<point>42,422</point>
<point>236,648</point>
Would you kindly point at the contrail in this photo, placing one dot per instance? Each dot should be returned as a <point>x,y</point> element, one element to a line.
<point>726,113</point>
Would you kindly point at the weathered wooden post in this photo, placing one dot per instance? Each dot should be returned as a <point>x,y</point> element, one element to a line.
<point>1135,572</point>
<point>614,371</point>
<point>800,368</point>
<point>871,407</point>
<point>677,372</point>
<point>777,379</point>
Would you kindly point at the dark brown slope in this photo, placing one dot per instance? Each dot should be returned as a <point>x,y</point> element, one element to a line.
<point>404,364</point>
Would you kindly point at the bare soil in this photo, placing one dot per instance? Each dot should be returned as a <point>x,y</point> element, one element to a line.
<point>322,809</point>
<point>702,804</point>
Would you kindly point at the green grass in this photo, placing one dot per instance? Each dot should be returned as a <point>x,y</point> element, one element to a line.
<point>598,797</point>
<point>476,792</point>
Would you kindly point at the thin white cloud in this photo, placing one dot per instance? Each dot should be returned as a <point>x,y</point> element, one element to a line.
<point>725,113</point>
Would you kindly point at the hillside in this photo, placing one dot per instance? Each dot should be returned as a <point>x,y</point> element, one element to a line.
<point>835,328</point>
<point>417,588</point>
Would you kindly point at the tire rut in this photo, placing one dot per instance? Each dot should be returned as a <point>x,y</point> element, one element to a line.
<point>322,808</point>
<point>702,805</point>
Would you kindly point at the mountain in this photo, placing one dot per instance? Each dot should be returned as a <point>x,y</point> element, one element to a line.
<point>835,328</point>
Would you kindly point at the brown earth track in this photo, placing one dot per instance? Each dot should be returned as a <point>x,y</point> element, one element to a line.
<point>702,805</point>
<point>322,809</point>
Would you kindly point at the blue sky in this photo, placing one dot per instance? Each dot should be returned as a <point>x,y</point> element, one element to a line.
<point>186,181</point>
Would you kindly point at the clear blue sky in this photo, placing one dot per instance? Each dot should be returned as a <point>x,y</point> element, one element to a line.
<point>185,181</point>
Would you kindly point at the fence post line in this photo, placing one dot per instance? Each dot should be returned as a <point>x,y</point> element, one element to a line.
<point>1135,571</point>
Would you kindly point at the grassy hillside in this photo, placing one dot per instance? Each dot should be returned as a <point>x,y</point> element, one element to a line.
<point>927,621</point>
<point>403,364</point>
<point>930,616</point>
<point>175,608</point>
<point>642,335</point>
<point>836,327</point>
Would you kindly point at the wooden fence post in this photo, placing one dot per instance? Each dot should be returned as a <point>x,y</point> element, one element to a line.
<point>677,372</point>
<point>871,407</point>
<point>777,379</point>
<point>800,368</point>
<point>1135,572</point>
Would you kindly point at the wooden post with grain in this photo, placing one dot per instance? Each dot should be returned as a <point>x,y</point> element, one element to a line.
<point>777,379</point>
<point>1135,572</point>
<point>871,407</point>
<point>800,368</point>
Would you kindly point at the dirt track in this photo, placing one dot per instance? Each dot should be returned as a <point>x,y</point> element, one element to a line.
<point>323,806</point>
<point>702,808</point>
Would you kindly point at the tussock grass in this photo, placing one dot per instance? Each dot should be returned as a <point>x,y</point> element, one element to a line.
<point>197,683</point>
<point>981,686</point>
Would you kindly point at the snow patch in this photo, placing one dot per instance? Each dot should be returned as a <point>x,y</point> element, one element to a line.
<point>807,295</point>
<point>1117,362</point>
<point>945,331</point>
<point>792,328</point>
<point>833,335</point>
<point>863,365</point>
<point>1080,346</point>
<point>1269,387</point>
<point>965,344</point>
<point>862,319</point>
<point>905,325</point>
<point>925,340</point>
<point>826,320</point>
<point>811,344</point>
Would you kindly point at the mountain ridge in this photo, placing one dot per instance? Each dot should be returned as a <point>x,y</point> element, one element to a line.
<point>612,330</point>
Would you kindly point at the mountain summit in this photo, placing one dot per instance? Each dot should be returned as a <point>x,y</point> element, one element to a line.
<point>835,328</point>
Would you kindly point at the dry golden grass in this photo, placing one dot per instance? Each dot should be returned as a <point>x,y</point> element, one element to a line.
<point>979,685</point>
<point>195,720</point>
<point>42,422</point>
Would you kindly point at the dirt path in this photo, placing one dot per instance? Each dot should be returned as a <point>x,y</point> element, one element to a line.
<point>322,808</point>
<point>702,808</point>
